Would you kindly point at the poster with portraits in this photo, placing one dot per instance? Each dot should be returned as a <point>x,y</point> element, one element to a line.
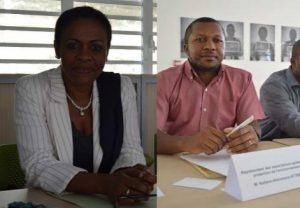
<point>289,35</point>
<point>262,39</point>
<point>184,23</point>
<point>234,40</point>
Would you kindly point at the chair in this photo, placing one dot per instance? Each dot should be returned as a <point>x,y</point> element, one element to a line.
<point>149,160</point>
<point>11,174</point>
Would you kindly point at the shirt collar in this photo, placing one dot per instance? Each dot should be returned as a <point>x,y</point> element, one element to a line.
<point>291,80</point>
<point>191,74</point>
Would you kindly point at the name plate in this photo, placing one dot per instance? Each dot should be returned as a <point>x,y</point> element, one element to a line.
<point>257,174</point>
<point>232,46</point>
<point>262,46</point>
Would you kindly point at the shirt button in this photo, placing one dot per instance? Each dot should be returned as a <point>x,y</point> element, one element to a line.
<point>204,109</point>
<point>205,90</point>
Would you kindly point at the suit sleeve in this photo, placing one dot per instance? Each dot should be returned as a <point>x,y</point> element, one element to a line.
<point>280,108</point>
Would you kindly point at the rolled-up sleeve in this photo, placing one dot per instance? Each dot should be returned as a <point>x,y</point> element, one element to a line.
<point>162,106</point>
<point>249,103</point>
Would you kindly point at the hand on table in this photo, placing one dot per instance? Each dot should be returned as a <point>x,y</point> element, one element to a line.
<point>208,140</point>
<point>243,140</point>
<point>132,181</point>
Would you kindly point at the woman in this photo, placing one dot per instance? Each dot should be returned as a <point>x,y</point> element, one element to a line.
<point>77,126</point>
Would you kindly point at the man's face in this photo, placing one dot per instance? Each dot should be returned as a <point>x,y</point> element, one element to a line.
<point>293,34</point>
<point>230,30</point>
<point>83,50</point>
<point>205,47</point>
<point>262,33</point>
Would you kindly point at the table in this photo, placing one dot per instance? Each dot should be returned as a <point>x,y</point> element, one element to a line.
<point>288,141</point>
<point>38,196</point>
<point>172,168</point>
<point>32,195</point>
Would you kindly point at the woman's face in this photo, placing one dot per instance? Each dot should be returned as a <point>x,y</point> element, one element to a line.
<point>83,51</point>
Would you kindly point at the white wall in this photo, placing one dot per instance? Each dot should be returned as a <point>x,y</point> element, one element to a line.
<point>273,12</point>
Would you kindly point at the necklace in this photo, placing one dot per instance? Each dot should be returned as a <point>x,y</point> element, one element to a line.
<point>81,109</point>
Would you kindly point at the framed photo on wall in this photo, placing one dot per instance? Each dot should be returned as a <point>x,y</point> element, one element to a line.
<point>184,23</point>
<point>234,39</point>
<point>289,35</point>
<point>262,39</point>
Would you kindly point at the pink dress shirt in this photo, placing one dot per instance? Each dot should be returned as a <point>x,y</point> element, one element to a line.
<point>185,105</point>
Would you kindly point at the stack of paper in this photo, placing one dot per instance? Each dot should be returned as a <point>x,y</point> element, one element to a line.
<point>198,183</point>
<point>211,166</point>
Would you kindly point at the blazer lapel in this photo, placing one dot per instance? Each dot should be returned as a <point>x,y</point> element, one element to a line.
<point>59,118</point>
<point>98,154</point>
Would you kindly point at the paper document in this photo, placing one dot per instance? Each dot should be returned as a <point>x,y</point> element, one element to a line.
<point>198,183</point>
<point>218,162</point>
<point>205,172</point>
<point>159,192</point>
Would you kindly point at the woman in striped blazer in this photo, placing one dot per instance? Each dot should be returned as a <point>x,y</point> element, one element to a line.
<point>76,125</point>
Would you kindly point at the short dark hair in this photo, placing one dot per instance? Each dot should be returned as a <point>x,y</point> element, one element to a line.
<point>296,49</point>
<point>262,28</point>
<point>69,16</point>
<point>230,25</point>
<point>188,30</point>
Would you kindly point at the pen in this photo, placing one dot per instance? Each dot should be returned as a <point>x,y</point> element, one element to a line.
<point>116,203</point>
<point>136,196</point>
<point>243,124</point>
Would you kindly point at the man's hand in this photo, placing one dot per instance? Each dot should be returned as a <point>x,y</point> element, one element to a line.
<point>208,140</point>
<point>243,140</point>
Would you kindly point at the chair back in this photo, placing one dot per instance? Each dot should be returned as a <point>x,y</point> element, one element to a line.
<point>11,174</point>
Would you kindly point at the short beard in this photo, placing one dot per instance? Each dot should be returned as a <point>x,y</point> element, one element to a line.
<point>204,70</point>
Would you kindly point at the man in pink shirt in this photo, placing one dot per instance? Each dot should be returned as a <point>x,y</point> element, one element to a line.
<point>200,101</point>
